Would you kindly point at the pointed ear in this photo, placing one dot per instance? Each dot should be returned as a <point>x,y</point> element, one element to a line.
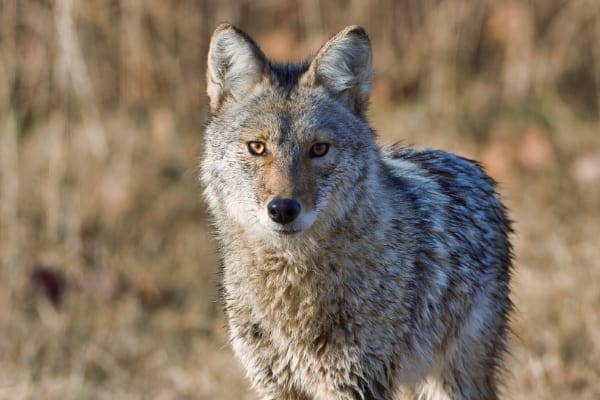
<point>236,65</point>
<point>343,67</point>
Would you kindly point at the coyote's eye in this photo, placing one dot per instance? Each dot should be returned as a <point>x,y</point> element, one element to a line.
<point>256,148</point>
<point>319,149</point>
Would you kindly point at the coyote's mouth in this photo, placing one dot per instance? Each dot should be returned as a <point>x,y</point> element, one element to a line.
<point>288,232</point>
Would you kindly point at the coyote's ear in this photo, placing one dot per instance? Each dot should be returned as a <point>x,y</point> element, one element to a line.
<point>235,66</point>
<point>343,67</point>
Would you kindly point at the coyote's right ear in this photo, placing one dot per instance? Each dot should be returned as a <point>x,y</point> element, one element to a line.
<point>235,66</point>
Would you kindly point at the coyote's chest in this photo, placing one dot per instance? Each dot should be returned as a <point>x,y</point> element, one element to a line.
<point>290,296</point>
<point>295,297</point>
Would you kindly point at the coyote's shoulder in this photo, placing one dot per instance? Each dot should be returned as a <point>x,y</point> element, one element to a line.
<point>350,271</point>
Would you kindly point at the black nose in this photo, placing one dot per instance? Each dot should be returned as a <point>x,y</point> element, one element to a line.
<point>283,211</point>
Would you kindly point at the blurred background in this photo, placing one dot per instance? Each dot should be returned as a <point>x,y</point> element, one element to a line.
<point>107,264</point>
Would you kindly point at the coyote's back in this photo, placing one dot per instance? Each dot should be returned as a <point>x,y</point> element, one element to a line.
<point>349,271</point>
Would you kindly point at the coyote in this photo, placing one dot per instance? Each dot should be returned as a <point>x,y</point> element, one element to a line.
<point>349,271</point>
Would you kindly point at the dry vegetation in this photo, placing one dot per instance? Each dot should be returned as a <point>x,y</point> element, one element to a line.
<point>107,266</point>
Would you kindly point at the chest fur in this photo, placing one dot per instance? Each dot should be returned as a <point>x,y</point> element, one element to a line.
<point>304,298</point>
<point>286,297</point>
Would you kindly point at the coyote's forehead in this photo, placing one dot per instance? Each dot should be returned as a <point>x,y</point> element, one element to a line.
<point>293,119</point>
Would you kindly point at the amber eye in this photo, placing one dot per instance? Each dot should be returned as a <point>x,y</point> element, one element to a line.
<point>256,148</point>
<point>319,149</point>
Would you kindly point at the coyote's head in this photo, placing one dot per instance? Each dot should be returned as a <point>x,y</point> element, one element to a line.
<point>288,147</point>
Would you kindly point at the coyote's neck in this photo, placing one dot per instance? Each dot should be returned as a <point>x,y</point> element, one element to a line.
<point>303,284</point>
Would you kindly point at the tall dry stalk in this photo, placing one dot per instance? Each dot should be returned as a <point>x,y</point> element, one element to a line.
<point>9,151</point>
<point>596,54</point>
<point>10,226</point>
<point>75,77</point>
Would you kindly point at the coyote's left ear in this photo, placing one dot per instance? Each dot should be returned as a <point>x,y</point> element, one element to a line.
<point>343,67</point>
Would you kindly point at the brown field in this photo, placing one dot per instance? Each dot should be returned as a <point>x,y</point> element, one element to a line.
<point>107,265</point>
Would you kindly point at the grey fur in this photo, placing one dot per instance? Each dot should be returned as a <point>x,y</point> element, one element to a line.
<point>395,277</point>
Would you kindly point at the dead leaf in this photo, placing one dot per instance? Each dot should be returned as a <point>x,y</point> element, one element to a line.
<point>148,291</point>
<point>586,169</point>
<point>280,45</point>
<point>497,157</point>
<point>102,284</point>
<point>48,282</point>
<point>506,22</point>
<point>535,150</point>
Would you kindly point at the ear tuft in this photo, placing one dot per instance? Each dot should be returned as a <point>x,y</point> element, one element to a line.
<point>235,66</point>
<point>343,67</point>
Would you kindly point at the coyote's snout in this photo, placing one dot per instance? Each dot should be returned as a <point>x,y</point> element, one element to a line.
<point>283,211</point>
<point>287,185</point>
<point>350,271</point>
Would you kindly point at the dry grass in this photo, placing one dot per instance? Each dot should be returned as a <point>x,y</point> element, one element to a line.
<point>101,111</point>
